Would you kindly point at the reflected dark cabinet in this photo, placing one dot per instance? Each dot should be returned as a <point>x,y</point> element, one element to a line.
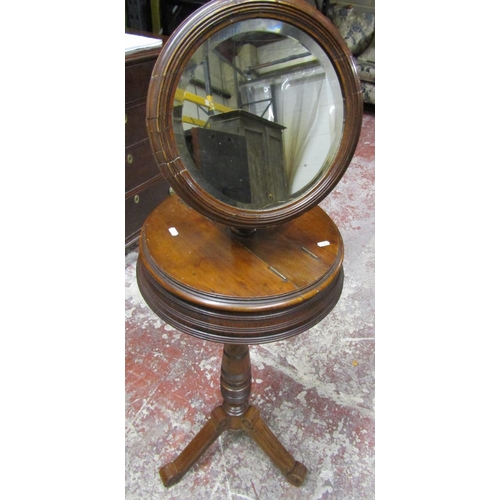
<point>145,187</point>
<point>265,157</point>
<point>222,158</point>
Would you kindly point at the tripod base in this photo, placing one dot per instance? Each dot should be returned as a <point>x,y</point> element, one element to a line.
<point>235,414</point>
<point>252,424</point>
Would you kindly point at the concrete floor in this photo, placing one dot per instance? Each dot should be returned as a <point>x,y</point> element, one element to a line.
<point>315,391</point>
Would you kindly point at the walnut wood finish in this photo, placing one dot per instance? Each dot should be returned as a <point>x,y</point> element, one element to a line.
<point>218,286</point>
<point>235,414</point>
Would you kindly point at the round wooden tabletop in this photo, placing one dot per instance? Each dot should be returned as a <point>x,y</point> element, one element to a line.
<point>205,280</point>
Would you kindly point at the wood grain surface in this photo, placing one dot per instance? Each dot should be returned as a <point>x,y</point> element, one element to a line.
<point>214,284</point>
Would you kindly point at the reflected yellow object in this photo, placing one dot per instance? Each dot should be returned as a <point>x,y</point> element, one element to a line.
<point>207,102</point>
<point>193,121</point>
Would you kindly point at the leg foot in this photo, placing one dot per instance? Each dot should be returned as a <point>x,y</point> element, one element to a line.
<point>251,423</point>
<point>297,475</point>
<point>216,425</point>
<point>170,475</point>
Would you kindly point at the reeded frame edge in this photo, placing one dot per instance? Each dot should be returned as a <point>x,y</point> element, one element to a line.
<point>226,326</point>
<point>165,79</point>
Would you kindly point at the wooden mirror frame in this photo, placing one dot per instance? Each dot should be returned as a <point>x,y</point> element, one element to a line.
<point>165,78</point>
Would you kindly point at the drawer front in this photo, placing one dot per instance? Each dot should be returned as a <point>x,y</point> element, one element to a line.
<point>137,78</point>
<point>135,124</point>
<point>140,165</point>
<point>139,206</point>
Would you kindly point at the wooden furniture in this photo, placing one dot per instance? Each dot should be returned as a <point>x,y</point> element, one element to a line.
<point>230,274</point>
<point>164,121</point>
<point>238,290</point>
<point>145,187</point>
<point>264,145</point>
<point>222,158</point>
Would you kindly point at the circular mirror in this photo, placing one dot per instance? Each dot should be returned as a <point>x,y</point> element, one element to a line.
<point>254,110</point>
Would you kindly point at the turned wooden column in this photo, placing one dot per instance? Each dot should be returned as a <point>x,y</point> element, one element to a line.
<point>235,379</point>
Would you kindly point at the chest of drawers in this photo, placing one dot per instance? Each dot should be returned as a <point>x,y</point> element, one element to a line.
<point>145,187</point>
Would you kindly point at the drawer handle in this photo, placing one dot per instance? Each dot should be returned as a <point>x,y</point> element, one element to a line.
<point>130,158</point>
<point>136,198</point>
<point>126,117</point>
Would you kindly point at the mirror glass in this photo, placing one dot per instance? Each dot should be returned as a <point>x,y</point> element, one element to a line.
<point>258,114</point>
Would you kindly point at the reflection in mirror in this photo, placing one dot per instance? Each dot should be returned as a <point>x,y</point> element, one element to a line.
<point>258,115</point>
